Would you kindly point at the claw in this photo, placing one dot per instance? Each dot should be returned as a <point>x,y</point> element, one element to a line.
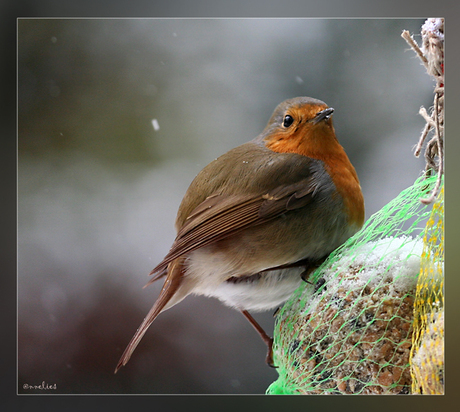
<point>304,276</point>
<point>269,358</point>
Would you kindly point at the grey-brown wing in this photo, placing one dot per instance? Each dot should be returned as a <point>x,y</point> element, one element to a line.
<point>221,216</point>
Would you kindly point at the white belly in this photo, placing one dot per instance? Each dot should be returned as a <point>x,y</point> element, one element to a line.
<point>259,293</point>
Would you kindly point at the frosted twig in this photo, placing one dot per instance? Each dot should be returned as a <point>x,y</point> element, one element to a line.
<point>411,42</point>
<point>437,146</point>
<point>432,56</point>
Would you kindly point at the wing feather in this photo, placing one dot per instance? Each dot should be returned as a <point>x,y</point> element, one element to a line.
<point>221,216</point>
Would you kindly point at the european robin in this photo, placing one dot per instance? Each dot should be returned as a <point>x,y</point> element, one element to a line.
<point>259,218</point>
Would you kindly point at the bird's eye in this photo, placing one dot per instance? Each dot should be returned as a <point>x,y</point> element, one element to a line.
<point>287,120</point>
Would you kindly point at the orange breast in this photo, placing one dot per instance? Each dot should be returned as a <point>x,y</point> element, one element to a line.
<point>324,146</point>
<point>346,181</point>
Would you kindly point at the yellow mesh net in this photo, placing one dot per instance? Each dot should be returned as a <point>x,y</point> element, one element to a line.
<point>427,353</point>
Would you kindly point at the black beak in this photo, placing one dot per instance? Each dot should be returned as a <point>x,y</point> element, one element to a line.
<point>323,115</point>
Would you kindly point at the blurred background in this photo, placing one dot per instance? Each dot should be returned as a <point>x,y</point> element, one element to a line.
<point>115,118</point>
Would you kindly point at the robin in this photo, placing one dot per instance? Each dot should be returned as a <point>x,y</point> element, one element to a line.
<point>259,218</point>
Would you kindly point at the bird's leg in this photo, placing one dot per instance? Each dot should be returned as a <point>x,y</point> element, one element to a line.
<point>267,339</point>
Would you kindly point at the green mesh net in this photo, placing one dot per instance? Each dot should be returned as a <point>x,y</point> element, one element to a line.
<point>351,329</point>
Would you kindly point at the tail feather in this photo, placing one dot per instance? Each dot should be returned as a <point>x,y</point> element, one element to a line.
<point>159,275</point>
<point>170,287</point>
